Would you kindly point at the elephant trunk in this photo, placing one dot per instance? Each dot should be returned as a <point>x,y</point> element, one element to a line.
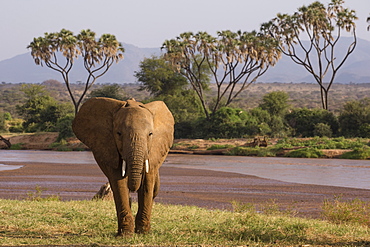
<point>135,170</point>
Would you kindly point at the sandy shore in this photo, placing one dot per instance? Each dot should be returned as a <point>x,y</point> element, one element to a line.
<point>180,186</point>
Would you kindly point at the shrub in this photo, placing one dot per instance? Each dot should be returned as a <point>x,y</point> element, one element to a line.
<point>354,118</point>
<point>303,121</point>
<point>18,146</point>
<point>2,122</point>
<point>220,146</point>
<point>322,129</point>
<point>227,122</point>
<point>359,153</point>
<point>64,127</point>
<point>16,125</point>
<point>305,153</point>
<point>249,151</point>
<point>365,130</point>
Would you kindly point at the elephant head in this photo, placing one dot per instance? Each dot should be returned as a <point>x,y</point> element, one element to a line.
<point>130,141</point>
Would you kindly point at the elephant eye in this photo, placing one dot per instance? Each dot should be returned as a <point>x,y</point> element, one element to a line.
<point>119,133</point>
<point>150,133</point>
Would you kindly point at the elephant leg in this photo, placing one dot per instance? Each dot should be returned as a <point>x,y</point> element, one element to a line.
<point>123,206</point>
<point>145,203</point>
<point>156,186</point>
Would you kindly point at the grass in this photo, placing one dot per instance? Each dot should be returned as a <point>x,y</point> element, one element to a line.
<point>93,223</point>
<point>305,153</point>
<point>343,212</point>
<point>220,146</point>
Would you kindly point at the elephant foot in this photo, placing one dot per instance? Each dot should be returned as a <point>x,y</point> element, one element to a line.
<point>142,228</point>
<point>126,226</point>
<point>124,234</point>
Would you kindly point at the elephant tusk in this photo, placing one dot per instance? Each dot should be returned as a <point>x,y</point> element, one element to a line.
<point>146,166</point>
<point>123,168</point>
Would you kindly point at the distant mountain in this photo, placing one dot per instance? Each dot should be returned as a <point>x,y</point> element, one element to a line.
<point>22,68</point>
<point>356,69</point>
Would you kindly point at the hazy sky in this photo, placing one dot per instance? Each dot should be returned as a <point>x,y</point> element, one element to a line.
<point>144,23</point>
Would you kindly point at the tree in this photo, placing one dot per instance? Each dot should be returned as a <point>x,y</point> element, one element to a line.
<point>232,59</point>
<point>40,111</point>
<point>157,77</point>
<point>2,122</point>
<point>306,122</point>
<point>323,28</point>
<point>98,55</point>
<point>275,103</point>
<point>227,122</point>
<point>354,119</point>
<point>113,91</point>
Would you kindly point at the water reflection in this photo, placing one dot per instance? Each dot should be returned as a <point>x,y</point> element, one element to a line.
<point>46,156</point>
<point>335,172</point>
<point>8,167</point>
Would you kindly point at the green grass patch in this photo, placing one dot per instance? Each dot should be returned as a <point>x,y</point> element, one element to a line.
<point>94,223</point>
<point>18,146</point>
<point>339,211</point>
<point>305,153</point>
<point>252,151</point>
<point>220,146</point>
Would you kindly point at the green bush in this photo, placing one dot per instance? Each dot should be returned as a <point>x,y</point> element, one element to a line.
<point>355,118</point>
<point>359,153</point>
<point>227,122</point>
<point>220,146</point>
<point>249,151</point>
<point>305,153</point>
<point>15,125</point>
<point>64,127</point>
<point>18,146</point>
<point>322,143</point>
<point>304,121</point>
<point>365,130</point>
<point>2,122</point>
<point>322,129</point>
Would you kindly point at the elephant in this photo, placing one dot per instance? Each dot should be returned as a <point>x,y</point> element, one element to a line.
<point>129,141</point>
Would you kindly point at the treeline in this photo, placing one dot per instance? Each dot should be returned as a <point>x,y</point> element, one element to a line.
<point>274,117</point>
<point>45,107</point>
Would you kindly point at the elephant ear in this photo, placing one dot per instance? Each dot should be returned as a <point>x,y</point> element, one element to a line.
<point>163,131</point>
<point>93,125</point>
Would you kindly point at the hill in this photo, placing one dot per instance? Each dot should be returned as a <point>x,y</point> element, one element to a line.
<point>22,68</point>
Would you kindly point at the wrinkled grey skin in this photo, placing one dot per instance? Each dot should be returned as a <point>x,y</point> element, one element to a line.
<point>130,141</point>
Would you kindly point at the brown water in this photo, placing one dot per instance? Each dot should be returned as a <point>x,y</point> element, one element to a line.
<point>335,172</point>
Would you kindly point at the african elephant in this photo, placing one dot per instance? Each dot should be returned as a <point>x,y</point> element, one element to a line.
<point>129,141</point>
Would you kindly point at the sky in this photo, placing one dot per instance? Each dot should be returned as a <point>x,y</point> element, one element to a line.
<point>144,23</point>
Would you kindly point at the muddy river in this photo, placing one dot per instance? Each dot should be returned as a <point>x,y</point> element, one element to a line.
<point>334,172</point>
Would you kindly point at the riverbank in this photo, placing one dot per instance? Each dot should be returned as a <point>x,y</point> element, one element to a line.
<point>294,147</point>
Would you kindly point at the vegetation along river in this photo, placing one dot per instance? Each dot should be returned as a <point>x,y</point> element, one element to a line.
<point>333,172</point>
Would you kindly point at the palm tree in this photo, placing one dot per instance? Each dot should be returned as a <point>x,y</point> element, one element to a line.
<point>235,60</point>
<point>323,28</point>
<point>98,55</point>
